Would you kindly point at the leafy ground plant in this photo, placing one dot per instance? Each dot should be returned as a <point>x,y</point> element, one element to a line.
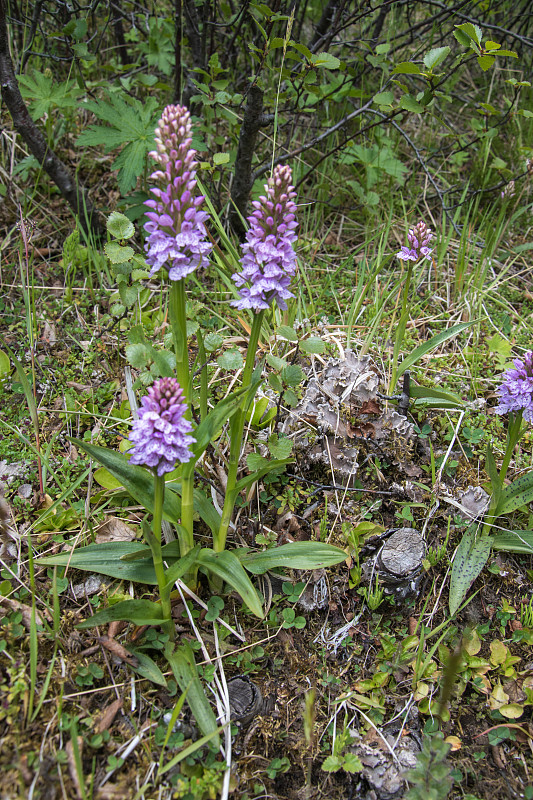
<point>164,435</point>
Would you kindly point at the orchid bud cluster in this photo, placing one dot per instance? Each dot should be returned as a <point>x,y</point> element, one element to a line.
<point>419,238</point>
<point>161,434</point>
<point>177,236</point>
<point>516,391</point>
<point>268,260</point>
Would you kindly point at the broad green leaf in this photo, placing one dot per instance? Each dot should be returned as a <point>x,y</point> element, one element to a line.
<point>332,764</point>
<point>301,48</point>
<point>514,541</point>
<point>106,560</point>
<point>384,98</point>
<point>516,494</point>
<point>406,68</point>
<point>146,667</point>
<point>507,505</point>
<point>314,344</point>
<point>486,62</point>
<point>138,355</point>
<point>230,359</point>
<point>181,566</point>
<point>352,763</point>
<point>325,60</point>
<point>431,344</point>
<point>117,253</point>
<point>275,362</point>
<point>103,477</point>
<point>292,375</point>
<point>220,158</point>
<point>435,57</point>
<point>280,447</point>
<point>472,555</point>
<point>5,364</point>
<point>287,333</point>
<point>129,296</point>
<point>207,431</point>
<point>510,53</point>
<point>511,710</point>
<point>295,555</point>
<point>119,226</point>
<point>228,567</point>
<point>494,475</point>
<point>212,341</point>
<point>140,612</point>
<point>473,32</point>
<point>410,104</point>
<point>275,382</point>
<point>185,672</point>
<point>130,125</point>
<point>435,398</point>
<point>136,480</point>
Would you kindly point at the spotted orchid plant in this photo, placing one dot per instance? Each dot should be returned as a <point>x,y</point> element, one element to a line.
<point>516,401</point>
<point>170,435</point>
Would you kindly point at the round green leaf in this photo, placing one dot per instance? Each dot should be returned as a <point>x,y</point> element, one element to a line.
<point>231,360</point>
<point>313,345</point>
<point>120,226</point>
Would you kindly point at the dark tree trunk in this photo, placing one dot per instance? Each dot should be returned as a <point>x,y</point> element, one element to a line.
<point>178,34</point>
<point>116,14</point>
<point>196,46</point>
<point>75,195</point>
<point>242,179</point>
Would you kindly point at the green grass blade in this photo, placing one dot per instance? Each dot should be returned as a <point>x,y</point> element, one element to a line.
<point>431,344</point>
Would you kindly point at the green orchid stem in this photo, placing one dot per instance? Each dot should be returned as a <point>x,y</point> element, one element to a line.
<point>178,321</point>
<point>513,435</point>
<point>185,536</point>
<point>157,556</point>
<point>236,431</point>
<point>400,330</point>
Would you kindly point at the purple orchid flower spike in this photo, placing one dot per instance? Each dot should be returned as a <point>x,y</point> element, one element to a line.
<point>516,391</point>
<point>419,238</point>
<point>268,260</point>
<point>177,236</point>
<point>161,434</point>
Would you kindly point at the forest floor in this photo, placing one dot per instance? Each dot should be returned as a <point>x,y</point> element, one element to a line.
<point>347,676</point>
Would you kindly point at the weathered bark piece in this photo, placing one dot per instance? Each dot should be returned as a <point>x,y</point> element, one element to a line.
<point>401,554</point>
<point>75,195</point>
<point>245,699</point>
<point>398,563</point>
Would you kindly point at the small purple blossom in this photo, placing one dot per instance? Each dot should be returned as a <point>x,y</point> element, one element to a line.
<point>419,238</point>
<point>268,258</point>
<point>177,236</point>
<point>160,435</point>
<point>508,192</point>
<point>516,391</point>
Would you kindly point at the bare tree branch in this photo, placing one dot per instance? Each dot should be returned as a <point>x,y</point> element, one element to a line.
<point>75,195</point>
